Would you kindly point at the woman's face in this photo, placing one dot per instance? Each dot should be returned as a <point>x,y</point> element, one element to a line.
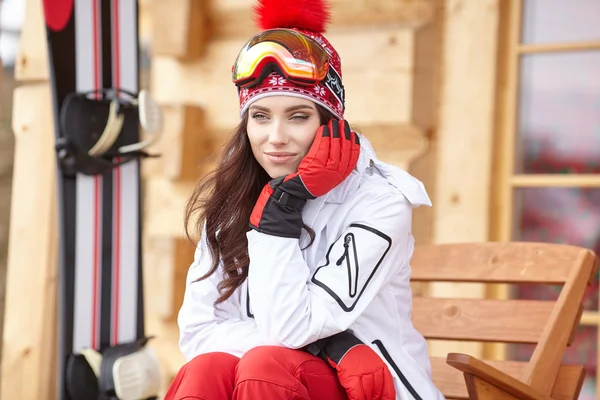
<point>281,129</point>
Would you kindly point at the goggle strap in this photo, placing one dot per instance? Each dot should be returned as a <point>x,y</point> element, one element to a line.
<point>334,82</point>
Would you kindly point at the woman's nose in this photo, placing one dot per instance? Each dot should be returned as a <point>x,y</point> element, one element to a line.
<point>277,134</point>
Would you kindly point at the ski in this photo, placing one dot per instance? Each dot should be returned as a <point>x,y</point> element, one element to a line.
<point>98,108</point>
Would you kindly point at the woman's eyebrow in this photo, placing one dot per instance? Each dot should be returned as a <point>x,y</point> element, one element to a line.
<point>259,108</point>
<point>287,110</point>
<point>299,107</point>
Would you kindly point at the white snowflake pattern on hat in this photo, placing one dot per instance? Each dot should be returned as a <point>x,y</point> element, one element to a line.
<point>319,90</point>
<point>277,81</point>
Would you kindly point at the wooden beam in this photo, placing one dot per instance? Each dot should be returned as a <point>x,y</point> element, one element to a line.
<point>555,180</point>
<point>184,143</point>
<point>462,205</point>
<point>408,14</point>
<point>29,339</point>
<point>505,142</point>
<point>32,59</point>
<point>424,114</point>
<point>558,47</point>
<point>166,201</point>
<point>180,28</point>
<point>165,346</point>
<point>468,89</point>
<point>167,262</point>
<point>378,78</point>
<point>235,18</point>
<point>145,21</point>
<point>397,144</point>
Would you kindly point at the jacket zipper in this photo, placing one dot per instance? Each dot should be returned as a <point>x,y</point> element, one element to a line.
<point>351,263</point>
<point>390,361</point>
<point>248,312</point>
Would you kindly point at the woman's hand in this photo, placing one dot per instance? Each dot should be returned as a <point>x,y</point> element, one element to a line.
<point>364,375</point>
<point>331,158</point>
<point>361,371</point>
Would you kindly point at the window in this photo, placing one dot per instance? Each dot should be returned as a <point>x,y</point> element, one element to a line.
<point>547,185</point>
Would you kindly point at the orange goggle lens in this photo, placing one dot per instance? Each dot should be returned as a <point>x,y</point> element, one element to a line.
<point>298,57</point>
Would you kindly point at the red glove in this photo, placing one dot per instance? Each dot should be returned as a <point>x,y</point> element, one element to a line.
<point>331,158</point>
<point>361,371</point>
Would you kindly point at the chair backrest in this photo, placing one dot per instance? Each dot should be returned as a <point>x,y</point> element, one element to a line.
<point>550,325</point>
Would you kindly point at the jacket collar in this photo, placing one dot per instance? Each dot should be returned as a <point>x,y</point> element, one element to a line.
<point>367,164</point>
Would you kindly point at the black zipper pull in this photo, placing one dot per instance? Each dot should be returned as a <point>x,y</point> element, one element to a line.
<point>345,255</point>
<point>352,272</point>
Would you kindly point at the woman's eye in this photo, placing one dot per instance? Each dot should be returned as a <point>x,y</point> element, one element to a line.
<point>300,117</point>
<point>258,116</point>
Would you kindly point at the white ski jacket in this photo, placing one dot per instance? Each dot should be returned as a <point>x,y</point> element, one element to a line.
<point>354,276</point>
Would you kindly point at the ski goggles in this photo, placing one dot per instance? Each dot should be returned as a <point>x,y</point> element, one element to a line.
<point>297,57</point>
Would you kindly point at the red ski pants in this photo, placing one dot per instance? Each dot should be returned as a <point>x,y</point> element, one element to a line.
<point>263,373</point>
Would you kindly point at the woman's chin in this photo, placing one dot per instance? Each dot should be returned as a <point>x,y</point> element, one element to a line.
<point>277,171</point>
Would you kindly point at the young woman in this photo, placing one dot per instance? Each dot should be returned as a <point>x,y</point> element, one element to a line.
<point>300,284</point>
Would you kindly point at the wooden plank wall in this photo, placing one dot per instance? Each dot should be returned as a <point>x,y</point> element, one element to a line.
<point>400,59</point>
<point>466,121</point>
<point>29,338</point>
<point>169,179</point>
<point>389,61</point>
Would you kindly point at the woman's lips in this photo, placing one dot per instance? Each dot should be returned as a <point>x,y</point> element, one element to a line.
<point>280,157</point>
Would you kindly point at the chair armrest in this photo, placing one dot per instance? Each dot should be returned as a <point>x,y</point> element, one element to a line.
<point>478,368</point>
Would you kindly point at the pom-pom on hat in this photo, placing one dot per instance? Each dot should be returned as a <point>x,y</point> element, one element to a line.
<point>309,15</point>
<point>310,18</point>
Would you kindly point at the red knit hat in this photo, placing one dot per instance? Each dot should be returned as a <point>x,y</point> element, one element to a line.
<point>310,18</point>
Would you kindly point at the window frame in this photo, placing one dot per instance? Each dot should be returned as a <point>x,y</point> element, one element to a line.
<point>506,179</point>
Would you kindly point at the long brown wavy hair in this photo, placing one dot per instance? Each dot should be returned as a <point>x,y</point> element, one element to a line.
<point>222,202</point>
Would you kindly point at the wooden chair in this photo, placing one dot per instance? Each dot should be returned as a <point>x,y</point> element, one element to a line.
<point>550,325</point>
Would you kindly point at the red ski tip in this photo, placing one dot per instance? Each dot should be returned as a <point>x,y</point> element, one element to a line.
<point>57,13</point>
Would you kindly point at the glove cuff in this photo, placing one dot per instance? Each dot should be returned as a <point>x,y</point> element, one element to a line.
<point>280,216</point>
<point>335,347</point>
<point>287,200</point>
